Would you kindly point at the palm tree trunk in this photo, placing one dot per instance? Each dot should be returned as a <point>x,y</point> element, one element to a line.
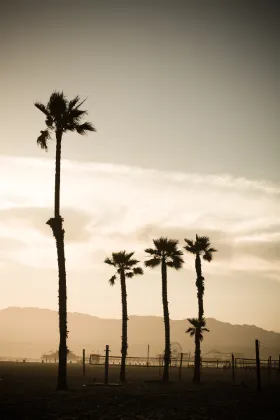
<point>200,289</point>
<point>200,292</point>
<point>57,174</point>
<point>56,224</point>
<point>196,376</point>
<point>167,351</point>
<point>124,326</point>
<point>62,311</point>
<point>198,266</point>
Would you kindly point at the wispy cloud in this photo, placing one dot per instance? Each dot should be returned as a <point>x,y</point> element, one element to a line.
<point>108,207</point>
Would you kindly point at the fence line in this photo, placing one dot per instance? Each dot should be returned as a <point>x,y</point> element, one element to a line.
<point>240,362</point>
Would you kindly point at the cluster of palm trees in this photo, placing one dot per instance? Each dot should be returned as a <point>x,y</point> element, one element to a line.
<point>166,254</point>
<point>62,115</point>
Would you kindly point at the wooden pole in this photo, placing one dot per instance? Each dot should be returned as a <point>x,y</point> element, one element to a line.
<point>148,356</point>
<point>258,364</point>
<point>106,365</point>
<point>233,366</point>
<point>217,363</point>
<point>84,362</point>
<point>180,367</point>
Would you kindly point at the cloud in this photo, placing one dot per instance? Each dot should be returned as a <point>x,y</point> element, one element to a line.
<point>109,207</point>
<point>35,218</point>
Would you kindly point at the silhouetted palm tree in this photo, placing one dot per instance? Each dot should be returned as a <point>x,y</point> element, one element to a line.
<point>201,246</point>
<point>125,267</point>
<point>61,116</point>
<point>166,254</point>
<point>199,326</point>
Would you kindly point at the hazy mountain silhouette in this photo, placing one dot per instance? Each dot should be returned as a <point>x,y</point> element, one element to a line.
<point>30,332</point>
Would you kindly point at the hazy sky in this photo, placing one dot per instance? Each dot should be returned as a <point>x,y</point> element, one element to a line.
<point>185,99</point>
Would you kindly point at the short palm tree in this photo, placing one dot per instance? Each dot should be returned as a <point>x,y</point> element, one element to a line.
<point>126,267</point>
<point>166,254</point>
<point>61,116</point>
<point>201,246</point>
<point>199,326</point>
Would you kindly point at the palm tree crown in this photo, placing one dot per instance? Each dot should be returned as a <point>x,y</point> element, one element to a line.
<point>166,249</point>
<point>62,115</point>
<point>200,246</point>
<point>197,325</point>
<point>123,262</point>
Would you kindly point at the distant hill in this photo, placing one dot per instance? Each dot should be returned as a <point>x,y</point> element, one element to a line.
<point>30,332</point>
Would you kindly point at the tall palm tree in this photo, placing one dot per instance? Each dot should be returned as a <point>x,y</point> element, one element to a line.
<point>125,267</point>
<point>201,246</point>
<point>61,116</point>
<point>166,254</point>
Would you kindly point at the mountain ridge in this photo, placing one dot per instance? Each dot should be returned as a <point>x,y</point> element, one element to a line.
<point>29,332</point>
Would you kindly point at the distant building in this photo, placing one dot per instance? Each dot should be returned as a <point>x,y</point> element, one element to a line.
<point>94,359</point>
<point>53,357</point>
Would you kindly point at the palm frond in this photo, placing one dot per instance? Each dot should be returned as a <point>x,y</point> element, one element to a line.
<point>177,262</point>
<point>112,280</point>
<point>72,118</point>
<point>204,240</point>
<point>194,322</point>
<point>190,331</point>
<point>171,246</point>
<point>129,274</point>
<point>161,243</point>
<point>132,262</point>
<point>138,271</point>
<point>205,329</point>
<point>202,330</point>
<point>73,103</point>
<point>153,262</point>
<point>57,105</point>
<point>42,140</point>
<point>70,126</point>
<point>202,243</point>
<point>129,255</point>
<point>76,114</point>
<point>84,128</point>
<point>109,261</point>
<point>152,251</point>
<point>49,122</point>
<point>167,247</point>
<point>169,264</point>
<point>190,247</point>
<point>177,252</point>
<point>190,242</point>
<point>208,256</point>
<point>42,108</point>
<point>212,250</point>
<point>120,258</point>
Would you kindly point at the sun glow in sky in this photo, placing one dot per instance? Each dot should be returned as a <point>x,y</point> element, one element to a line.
<point>110,207</point>
<point>185,100</point>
